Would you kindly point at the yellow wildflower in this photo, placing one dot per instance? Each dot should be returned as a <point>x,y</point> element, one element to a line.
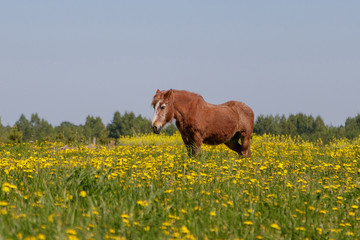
<point>248,222</point>
<point>71,231</point>
<point>184,229</point>
<point>5,189</point>
<point>82,194</point>
<point>275,226</point>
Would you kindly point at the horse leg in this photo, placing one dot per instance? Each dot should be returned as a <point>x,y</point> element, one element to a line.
<point>196,146</point>
<point>193,149</point>
<point>242,149</point>
<point>234,145</point>
<point>245,146</point>
<point>192,146</point>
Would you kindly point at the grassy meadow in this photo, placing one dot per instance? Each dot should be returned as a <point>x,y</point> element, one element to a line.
<point>148,188</point>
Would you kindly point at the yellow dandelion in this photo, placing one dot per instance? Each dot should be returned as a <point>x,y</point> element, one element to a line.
<point>125,221</point>
<point>183,211</point>
<point>275,226</point>
<point>41,236</point>
<point>82,194</point>
<point>71,231</point>
<point>184,229</point>
<point>248,222</point>
<point>5,189</point>
<point>142,203</point>
<point>51,218</point>
<point>9,185</point>
<point>73,237</point>
<point>167,224</point>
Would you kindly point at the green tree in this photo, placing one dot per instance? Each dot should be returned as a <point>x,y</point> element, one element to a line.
<point>14,135</point>
<point>267,124</point>
<point>142,125</point>
<point>319,130</point>
<point>94,128</point>
<point>68,133</point>
<point>292,125</point>
<point>296,125</point>
<point>41,129</point>
<point>304,125</point>
<point>170,129</point>
<point>352,127</point>
<point>115,128</point>
<point>128,124</point>
<point>24,126</point>
<point>35,129</point>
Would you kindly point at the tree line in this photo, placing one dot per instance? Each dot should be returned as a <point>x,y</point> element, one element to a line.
<point>307,127</point>
<point>128,124</point>
<point>38,129</point>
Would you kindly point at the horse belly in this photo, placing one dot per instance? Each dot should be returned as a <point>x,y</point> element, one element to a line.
<point>217,139</point>
<point>220,127</point>
<point>210,141</point>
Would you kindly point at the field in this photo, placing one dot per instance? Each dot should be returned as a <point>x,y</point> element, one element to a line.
<point>148,188</point>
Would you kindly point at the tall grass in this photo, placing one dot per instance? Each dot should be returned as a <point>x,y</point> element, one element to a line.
<point>148,188</point>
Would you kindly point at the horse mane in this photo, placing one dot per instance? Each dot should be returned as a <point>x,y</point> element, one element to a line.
<point>189,93</point>
<point>158,95</point>
<point>155,100</point>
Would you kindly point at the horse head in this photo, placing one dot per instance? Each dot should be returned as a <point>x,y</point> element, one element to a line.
<point>163,104</point>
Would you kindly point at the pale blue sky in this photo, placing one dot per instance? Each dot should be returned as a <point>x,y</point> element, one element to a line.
<point>66,60</point>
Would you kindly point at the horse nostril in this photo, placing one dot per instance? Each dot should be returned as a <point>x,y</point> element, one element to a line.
<point>156,129</point>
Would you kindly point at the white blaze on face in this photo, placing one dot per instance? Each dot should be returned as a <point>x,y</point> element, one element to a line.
<point>156,112</point>
<point>159,115</point>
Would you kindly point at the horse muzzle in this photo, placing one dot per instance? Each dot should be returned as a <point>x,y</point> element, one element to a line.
<point>156,129</point>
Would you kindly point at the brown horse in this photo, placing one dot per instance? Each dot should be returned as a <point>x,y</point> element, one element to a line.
<point>201,122</point>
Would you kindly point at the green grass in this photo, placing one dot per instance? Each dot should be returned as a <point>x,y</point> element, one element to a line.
<point>287,190</point>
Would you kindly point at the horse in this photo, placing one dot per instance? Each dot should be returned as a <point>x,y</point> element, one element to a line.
<point>201,122</point>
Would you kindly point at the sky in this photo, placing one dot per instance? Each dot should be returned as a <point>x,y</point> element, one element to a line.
<point>66,60</point>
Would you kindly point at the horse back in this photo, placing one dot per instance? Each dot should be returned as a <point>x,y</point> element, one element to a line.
<point>244,112</point>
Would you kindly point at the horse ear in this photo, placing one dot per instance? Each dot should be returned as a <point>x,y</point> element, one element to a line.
<point>158,91</point>
<point>168,93</point>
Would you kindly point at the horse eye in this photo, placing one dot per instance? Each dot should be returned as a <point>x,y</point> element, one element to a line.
<point>162,107</point>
